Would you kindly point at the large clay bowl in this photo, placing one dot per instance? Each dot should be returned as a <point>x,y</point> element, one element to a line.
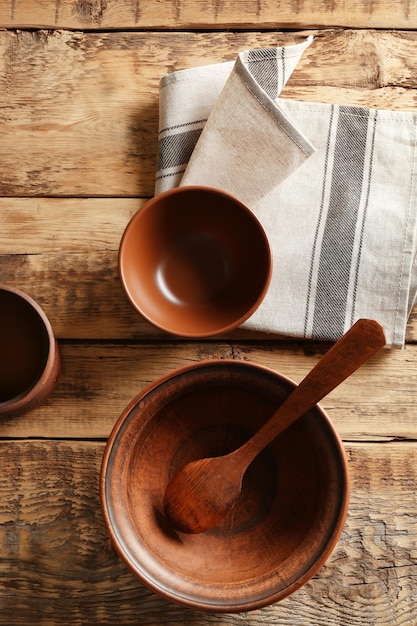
<point>195,261</point>
<point>292,507</point>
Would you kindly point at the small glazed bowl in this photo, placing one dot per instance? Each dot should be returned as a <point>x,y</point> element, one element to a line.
<point>195,261</point>
<point>291,511</point>
<point>29,354</point>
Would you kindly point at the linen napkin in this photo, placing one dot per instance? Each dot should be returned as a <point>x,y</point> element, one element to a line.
<point>334,187</point>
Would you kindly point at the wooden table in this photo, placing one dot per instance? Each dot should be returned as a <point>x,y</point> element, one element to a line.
<point>78,132</point>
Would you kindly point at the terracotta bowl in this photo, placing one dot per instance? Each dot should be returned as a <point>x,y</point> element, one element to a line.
<point>29,354</point>
<point>195,261</point>
<point>292,507</point>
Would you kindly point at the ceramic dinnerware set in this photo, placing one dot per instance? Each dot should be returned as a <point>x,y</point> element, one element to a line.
<point>196,263</point>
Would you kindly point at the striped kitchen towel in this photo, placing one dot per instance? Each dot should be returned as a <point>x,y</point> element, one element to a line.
<point>334,187</point>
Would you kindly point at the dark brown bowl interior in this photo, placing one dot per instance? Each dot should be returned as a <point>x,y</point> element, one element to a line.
<point>291,511</point>
<point>195,261</point>
<point>24,345</point>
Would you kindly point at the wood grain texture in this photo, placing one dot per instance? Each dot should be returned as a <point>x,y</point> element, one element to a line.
<point>377,403</point>
<point>89,127</point>
<point>64,253</point>
<point>78,134</point>
<point>115,14</point>
<point>58,567</point>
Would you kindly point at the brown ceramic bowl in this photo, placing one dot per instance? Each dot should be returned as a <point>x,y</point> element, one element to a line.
<point>195,261</point>
<point>291,511</point>
<point>29,355</point>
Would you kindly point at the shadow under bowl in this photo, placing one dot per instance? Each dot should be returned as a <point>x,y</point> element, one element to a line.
<point>291,511</point>
<point>195,261</point>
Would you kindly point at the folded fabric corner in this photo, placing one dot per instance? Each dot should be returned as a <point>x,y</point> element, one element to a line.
<point>222,125</point>
<point>249,144</point>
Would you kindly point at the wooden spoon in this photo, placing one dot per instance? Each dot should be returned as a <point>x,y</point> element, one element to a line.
<point>202,493</point>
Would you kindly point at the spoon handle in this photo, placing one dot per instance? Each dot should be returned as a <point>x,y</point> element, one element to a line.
<point>363,340</point>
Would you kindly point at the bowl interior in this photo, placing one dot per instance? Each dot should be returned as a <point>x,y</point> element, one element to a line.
<point>292,507</point>
<point>24,345</point>
<point>195,261</point>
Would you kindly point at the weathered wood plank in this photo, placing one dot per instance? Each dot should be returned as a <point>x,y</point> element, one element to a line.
<point>78,117</point>
<point>58,567</point>
<point>78,111</point>
<point>108,14</point>
<point>64,253</point>
<point>98,381</point>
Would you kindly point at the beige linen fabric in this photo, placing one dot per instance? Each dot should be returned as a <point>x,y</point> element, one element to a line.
<point>334,187</point>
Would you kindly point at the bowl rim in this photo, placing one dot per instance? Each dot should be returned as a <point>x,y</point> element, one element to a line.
<point>47,378</point>
<point>167,327</point>
<point>230,607</point>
